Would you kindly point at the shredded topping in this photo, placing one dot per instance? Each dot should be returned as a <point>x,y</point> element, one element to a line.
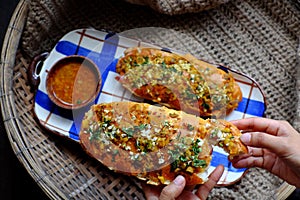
<point>150,138</point>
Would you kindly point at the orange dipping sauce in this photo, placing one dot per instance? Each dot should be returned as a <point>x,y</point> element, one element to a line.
<point>73,82</point>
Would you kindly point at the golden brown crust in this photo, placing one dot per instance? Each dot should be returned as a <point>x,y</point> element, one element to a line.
<point>155,143</point>
<point>179,82</point>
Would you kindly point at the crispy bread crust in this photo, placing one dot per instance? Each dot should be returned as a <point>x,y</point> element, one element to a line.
<point>155,143</point>
<point>180,82</point>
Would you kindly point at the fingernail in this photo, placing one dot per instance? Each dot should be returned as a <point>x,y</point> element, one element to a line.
<point>179,180</point>
<point>246,137</point>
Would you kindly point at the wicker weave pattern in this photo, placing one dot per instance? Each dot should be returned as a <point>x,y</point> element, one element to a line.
<point>259,38</point>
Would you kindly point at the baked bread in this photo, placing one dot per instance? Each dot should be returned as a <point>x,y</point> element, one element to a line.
<point>154,143</point>
<point>180,82</point>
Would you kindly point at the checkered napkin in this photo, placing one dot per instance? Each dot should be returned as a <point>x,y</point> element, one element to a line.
<point>104,49</point>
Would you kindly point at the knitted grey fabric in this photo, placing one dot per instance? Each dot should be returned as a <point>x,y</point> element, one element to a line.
<point>256,37</point>
<point>296,123</point>
<point>173,7</point>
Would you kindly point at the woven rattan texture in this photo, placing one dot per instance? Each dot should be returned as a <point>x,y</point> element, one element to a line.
<point>259,38</point>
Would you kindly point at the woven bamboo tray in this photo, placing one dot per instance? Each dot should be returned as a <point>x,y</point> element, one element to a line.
<point>59,166</point>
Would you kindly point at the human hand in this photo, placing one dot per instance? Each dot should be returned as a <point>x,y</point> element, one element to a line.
<point>273,145</point>
<point>177,189</point>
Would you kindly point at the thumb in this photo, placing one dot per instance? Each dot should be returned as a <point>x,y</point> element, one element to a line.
<point>262,140</point>
<point>174,189</point>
